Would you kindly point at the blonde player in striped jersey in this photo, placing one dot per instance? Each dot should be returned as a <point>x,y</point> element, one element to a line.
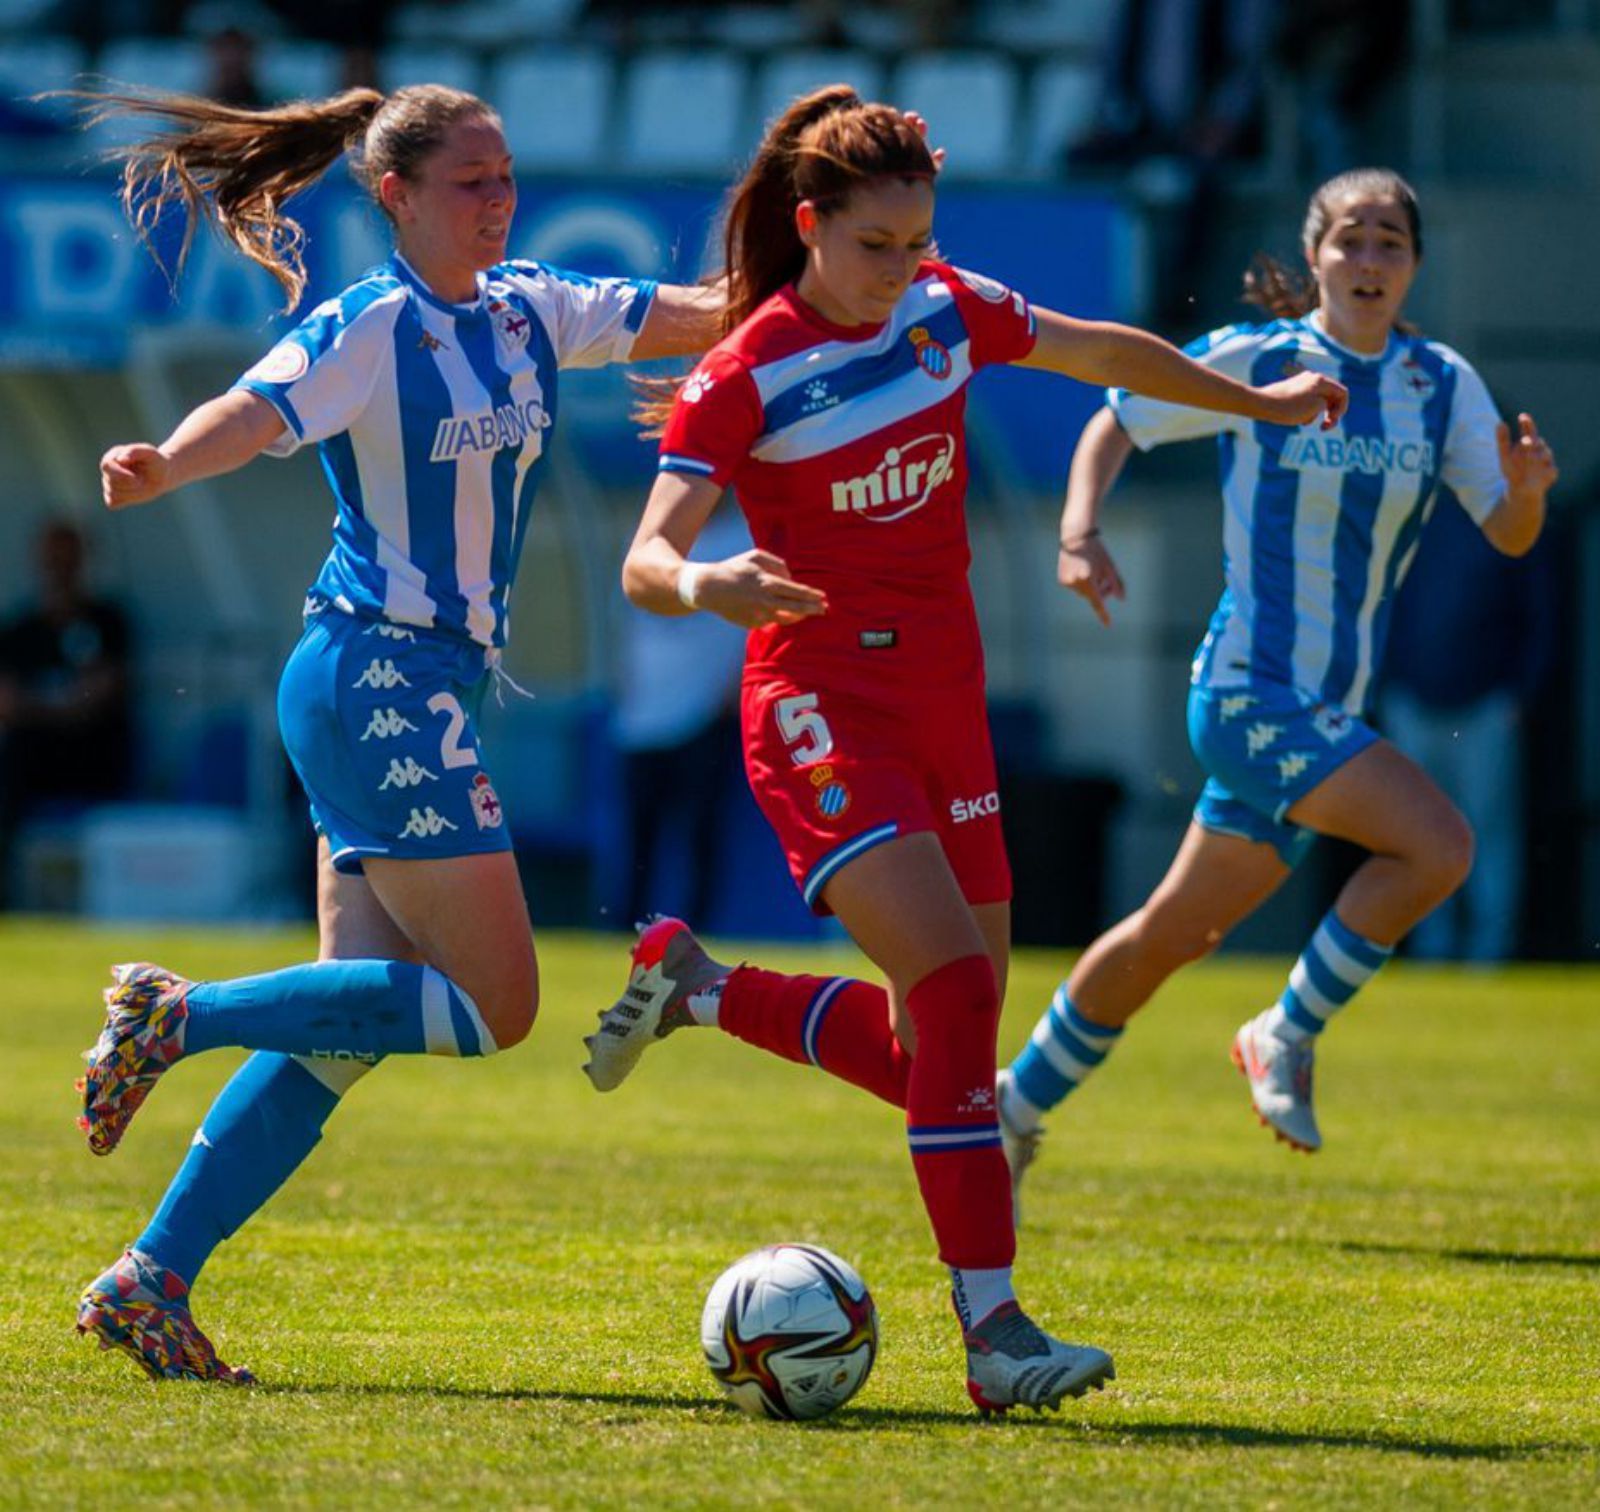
<point>1319,529</point>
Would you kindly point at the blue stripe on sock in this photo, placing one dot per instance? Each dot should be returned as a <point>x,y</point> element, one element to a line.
<point>1037,1080</point>
<point>1357,947</point>
<point>1333,987</point>
<point>461,1025</point>
<point>816,1016</point>
<point>1298,1014</point>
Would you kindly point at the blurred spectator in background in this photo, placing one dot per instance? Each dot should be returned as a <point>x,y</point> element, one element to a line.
<point>677,725</point>
<point>65,726</point>
<point>1342,54</point>
<point>1472,640</point>
<point>1181,98</point>
<point>233,70</point>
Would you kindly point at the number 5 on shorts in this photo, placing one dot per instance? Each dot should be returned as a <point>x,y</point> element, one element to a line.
<point>804,730</point>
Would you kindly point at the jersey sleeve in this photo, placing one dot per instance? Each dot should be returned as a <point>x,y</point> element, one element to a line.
<point>591,321</point>
<point>716,420</point>
<point>1471,465</point>
<point>320,377</point>
<point>999,321</point>
<point>1154,422</point>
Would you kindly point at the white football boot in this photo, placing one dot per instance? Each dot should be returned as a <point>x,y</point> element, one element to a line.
<point>668,967</point>
<point>1011,1362</point>
<point>1279,1073</point>
<point>1021,1146</point>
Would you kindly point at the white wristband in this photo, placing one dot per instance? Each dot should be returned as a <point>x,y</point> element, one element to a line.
<point>689,576</point>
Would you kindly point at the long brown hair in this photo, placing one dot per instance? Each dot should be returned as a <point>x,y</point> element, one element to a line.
<point>1288,293</point>
<point>234,169</point>
<point>823,147</point>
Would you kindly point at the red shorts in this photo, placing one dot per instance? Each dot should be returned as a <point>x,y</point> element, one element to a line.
<point>836,775</point>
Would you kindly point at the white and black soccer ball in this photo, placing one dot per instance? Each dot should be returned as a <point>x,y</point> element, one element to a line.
<point>790,1331</point>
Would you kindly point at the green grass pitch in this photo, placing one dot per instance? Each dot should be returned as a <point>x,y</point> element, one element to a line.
<point>484,1287</point>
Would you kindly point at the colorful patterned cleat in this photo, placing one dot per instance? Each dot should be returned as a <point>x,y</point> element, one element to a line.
<point>142,1309</point>
<point>668,968</point>
<point>143,1036</point>
<point>1011,1362</point>
<point>1279,1073</point>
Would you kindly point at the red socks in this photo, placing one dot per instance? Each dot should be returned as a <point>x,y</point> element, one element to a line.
<point>950,1115</point>
<point>839,1025</point>
<point>842,1026</point>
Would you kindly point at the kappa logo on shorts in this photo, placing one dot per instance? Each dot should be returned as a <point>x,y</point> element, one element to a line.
<point>1292,766</point>
<point>382,674</point>
<point>963,809</point>
<point>407,773</point>
<point>385,724</point>
<point>1235,704</point>
<point>485,803</point>
<point>425,824</point>
<point>1260,735</point>
<point>391,632</point>
<point>833,797</point>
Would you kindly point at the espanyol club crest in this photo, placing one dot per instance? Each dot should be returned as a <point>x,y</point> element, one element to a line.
<point>485,804</point>
<point>833,797</point>
<point>1418,383</point>
<point>933,357</point>
<point>510,324</point>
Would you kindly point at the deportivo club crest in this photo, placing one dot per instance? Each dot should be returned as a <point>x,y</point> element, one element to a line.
<point>485,805</point>
<point>510,324</point>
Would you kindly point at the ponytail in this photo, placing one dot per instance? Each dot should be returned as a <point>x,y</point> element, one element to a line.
<point>824,146</point>
<point>234,169</point>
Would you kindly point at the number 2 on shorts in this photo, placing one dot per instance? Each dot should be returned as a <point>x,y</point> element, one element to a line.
<point>451,752</point>
<point>804,730</point>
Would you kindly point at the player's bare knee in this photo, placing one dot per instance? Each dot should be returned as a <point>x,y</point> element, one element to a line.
<point>510,1005</point>
<point>1452,854</point>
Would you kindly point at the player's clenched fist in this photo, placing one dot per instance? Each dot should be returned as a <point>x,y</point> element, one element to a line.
<point>1303,398</point>
<point>133,473</point>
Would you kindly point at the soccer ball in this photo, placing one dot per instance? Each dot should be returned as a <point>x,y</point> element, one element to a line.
<point>790,1331</point>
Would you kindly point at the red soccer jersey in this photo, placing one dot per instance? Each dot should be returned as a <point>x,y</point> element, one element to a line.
<point>846,447</point>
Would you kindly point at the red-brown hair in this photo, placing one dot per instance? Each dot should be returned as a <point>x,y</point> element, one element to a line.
<point>233,169</point>
<point>826,145</point>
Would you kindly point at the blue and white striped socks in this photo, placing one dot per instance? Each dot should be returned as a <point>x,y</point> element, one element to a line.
<point>1336,965</point>
<point>1064,1049</point>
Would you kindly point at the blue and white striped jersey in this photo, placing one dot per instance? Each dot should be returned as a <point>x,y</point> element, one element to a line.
<point>1320,526</point>
<point>431,420</point>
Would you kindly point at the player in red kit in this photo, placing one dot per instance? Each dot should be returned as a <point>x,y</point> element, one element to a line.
<point>834,407</point>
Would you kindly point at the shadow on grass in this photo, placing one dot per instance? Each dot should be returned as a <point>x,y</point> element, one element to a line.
<point>1214,1435</point>
<point>854,1419</point>
<point>1096,1434</point>
<point>1471,1256</point>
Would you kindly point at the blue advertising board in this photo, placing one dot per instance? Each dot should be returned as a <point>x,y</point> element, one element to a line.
<point>75,283</point>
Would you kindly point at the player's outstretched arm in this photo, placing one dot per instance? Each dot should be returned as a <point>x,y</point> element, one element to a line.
<point>1084,564</point>
<point>750,590</point>
<point>222,434</point>
<point>683,320</point>
<point>1530,471</point>
<point>1119,356</point>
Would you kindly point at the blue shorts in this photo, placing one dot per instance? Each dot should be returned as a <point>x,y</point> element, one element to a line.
<point>1264,748</point>
<point>379,721</point>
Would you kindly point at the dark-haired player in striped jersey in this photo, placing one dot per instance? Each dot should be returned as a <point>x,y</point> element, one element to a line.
<point>1318,532</point>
